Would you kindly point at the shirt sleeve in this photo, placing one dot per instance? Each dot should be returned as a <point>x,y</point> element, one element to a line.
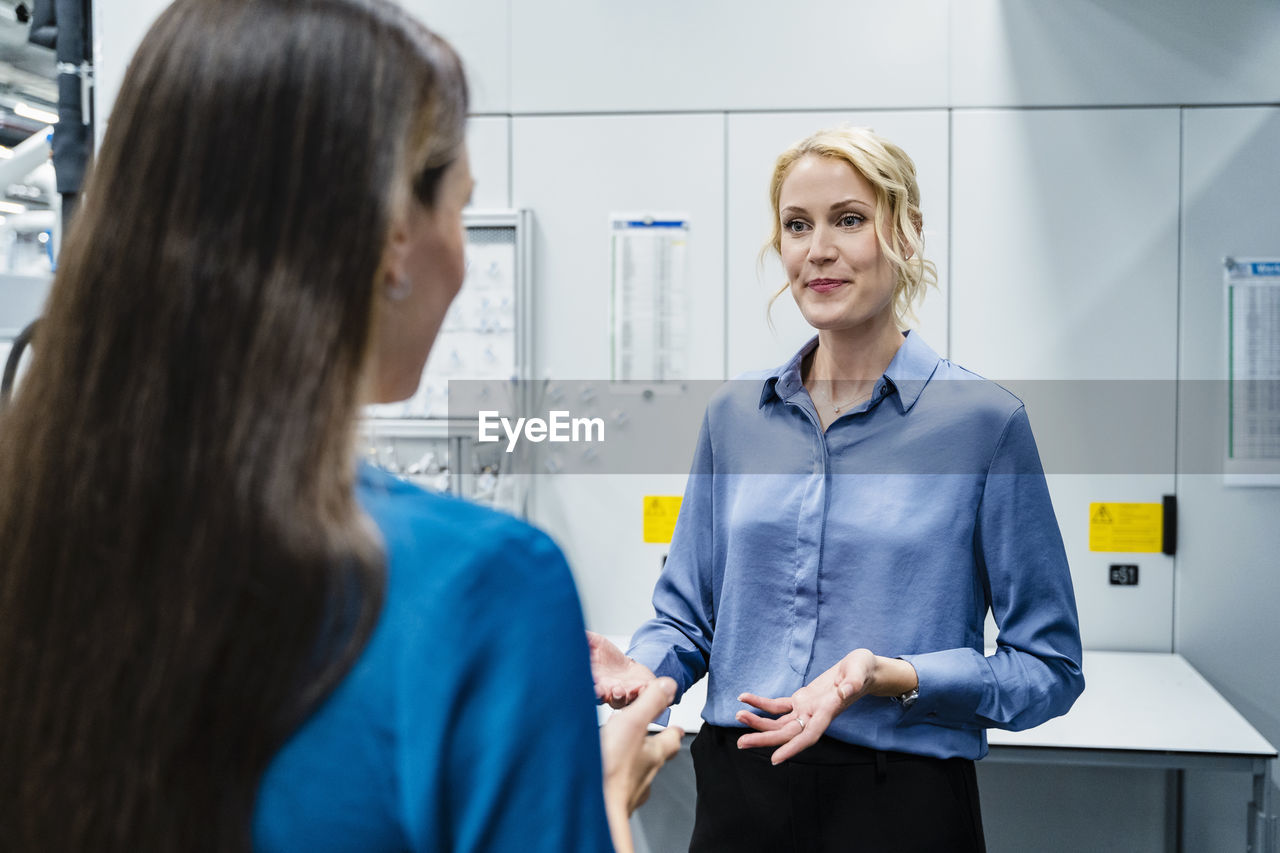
<point>677,641</point>
<point>521,763</point>
<point>1035,673</point>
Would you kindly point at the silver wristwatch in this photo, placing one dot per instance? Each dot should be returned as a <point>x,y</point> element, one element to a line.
<point>906,700</point>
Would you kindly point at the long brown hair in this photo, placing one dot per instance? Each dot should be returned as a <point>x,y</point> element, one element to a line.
<point>184,572</point>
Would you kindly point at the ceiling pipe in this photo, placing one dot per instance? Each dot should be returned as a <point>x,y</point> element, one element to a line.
<point>27,155</point>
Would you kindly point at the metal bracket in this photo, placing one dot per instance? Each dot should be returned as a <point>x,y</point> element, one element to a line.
<point>85,72</point>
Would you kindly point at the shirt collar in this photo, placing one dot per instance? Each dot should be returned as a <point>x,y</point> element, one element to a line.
<point>910,370</point>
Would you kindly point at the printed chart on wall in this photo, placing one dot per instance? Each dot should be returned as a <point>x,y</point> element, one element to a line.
<point>649,296</point>
<point>1253,372</point>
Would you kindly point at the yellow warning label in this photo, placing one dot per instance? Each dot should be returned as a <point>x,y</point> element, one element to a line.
<point>660,513</point>
<point>1126,527</point>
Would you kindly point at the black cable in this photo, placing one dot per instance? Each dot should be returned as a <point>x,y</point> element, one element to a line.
<point>20,344</point>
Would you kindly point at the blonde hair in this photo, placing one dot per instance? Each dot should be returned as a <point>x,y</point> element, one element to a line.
<point>892,175</point>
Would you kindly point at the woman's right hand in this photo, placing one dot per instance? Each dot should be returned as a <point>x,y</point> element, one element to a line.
<point>632,757</point>
<point>618,678</point>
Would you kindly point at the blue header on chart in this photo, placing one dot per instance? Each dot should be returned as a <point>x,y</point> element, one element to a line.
<point>1241,270</point>
<point>650,223</point>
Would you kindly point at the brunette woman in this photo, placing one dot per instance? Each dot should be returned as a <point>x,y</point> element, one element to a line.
<point>217,632</point>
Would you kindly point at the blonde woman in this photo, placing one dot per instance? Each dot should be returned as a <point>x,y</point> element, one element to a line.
<point>850,519</point>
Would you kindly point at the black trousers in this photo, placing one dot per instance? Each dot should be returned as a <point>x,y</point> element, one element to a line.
<point>832,797</point>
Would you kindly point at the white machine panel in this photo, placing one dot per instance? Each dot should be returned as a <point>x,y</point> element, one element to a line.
<point>755,141</point>
<point>1083,52</point>
<point>574,172</point>
<point>1118,618</point>
<point>1228,583</point>
<point>1064,279</point>
<point>597,521</point>
<point>585,55</point>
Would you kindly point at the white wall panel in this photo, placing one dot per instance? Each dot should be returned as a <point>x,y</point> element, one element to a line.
<point>1117,618</point>
<point>480,31</point>
<point>755,141</point>
<point>598,521</point>
<point>1064,267</point>
<point>1087,52</point>
<point>489,147</point>
<point>585,55</point>
<point>118,27</point>
<point>572,172</point>
<point>1228,596</point>
<point>1064,243</point>
<point>1121,618</point>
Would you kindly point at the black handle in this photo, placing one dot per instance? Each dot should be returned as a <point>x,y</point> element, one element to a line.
<point>1169,539</point>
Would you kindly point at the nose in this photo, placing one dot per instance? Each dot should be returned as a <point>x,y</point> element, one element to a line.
<point>822,247</point>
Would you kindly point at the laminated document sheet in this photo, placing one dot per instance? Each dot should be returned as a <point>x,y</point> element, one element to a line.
<point>1253,371</point>
<point>649,304</point>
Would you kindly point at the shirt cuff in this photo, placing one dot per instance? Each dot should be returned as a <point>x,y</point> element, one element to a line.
<point>952,683</point>
<point>662,660</point>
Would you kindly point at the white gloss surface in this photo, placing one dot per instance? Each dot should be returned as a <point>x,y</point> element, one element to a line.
<point>1141,701</point>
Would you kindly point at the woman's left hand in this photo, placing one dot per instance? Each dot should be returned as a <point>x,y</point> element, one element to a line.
<point>801,718</point>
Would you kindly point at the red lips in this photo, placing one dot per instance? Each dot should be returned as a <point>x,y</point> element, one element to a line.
<point>822,285</point>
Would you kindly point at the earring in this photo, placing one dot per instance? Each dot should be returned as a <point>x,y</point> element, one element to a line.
<point>398,288</point>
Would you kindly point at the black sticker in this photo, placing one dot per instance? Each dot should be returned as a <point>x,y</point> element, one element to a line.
<point>1124,574</point>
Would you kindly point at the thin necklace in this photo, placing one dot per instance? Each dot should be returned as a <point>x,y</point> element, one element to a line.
<point>838,407</point>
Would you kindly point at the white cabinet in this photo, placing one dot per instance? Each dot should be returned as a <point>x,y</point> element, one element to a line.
<point>1089,53</point>
<point>574,172</point>
<point>1064,285</point>
<point>592,56</point>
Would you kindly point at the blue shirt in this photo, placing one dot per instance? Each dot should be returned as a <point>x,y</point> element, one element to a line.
<point>468,723</point>
<point>895,531</point>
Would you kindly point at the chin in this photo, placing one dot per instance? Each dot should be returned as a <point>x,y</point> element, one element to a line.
<point>842,324</point>
<point>826,322</point>
<point>833,318</point>
<point>407,391</point>
<point>397,392</point>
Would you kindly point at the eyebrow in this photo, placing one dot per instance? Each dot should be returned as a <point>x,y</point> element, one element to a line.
<point>848,202</point>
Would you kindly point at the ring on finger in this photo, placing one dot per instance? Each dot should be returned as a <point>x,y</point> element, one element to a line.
<point>800,720</point>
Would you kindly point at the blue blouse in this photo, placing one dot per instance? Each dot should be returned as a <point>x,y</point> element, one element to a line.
<point>468,723</point>
<point>895,530</point>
